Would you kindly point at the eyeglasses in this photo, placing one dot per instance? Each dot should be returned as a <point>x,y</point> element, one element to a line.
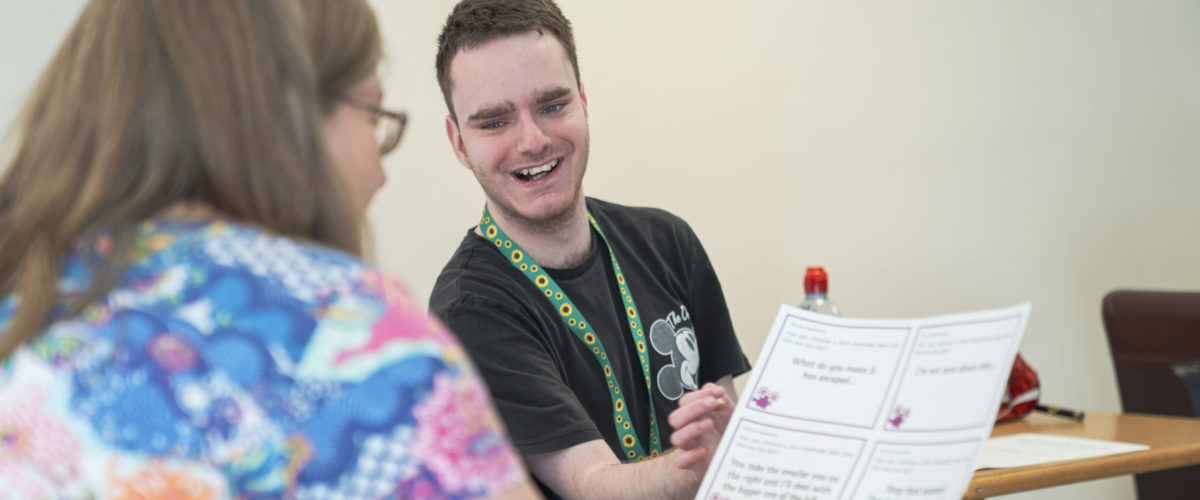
<point>389,125</point>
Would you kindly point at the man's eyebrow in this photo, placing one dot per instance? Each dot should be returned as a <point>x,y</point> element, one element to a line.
<point>492,111</point>
<point>550,94</point>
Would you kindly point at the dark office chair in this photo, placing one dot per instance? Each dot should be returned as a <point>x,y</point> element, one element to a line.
<point>1155,343</point>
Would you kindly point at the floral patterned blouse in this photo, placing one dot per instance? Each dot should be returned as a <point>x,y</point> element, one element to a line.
<point>230,363</point>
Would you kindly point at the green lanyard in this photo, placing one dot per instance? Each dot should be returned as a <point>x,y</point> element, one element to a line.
<point>575,322</point>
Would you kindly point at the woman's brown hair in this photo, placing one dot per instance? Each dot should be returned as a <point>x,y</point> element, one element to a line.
<point>149,103</point>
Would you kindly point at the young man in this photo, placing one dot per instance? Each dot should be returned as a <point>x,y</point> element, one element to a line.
<point>601,329</point>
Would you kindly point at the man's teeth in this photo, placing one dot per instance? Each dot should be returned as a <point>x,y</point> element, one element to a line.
<point>530,172</point>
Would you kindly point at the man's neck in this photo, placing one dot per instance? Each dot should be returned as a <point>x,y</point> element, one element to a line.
<point>558,243</point>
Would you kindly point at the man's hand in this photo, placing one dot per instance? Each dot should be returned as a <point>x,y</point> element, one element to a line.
<point>699,423</point>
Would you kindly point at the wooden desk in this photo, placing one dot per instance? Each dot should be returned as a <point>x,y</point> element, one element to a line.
<point>1174,442</point>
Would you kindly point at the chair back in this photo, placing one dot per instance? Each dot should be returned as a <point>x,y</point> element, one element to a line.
<point>1154,337</point>
<point>1155,341</point>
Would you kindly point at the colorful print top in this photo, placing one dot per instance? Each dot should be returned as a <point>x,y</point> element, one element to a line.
<point>230,363</point>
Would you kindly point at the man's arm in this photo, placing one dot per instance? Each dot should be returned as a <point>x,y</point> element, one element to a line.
<point>524,491</point>
<point>591,470</point>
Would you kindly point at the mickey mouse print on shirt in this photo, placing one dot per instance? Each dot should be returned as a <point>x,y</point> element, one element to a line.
<point>670,338</point>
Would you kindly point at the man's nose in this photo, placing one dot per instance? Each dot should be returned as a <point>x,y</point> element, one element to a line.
<point>534,140</point>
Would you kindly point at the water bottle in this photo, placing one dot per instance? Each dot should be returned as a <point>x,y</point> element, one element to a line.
<point>816,292</point>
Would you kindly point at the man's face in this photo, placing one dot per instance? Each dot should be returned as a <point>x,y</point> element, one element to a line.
<point>522,125</point>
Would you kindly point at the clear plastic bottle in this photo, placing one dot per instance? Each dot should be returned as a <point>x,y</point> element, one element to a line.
<point>816,292</point>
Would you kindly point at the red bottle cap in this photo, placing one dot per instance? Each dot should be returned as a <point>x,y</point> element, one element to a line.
<point>815,280</point>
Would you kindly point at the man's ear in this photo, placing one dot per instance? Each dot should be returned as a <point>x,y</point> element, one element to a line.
<point>456,142</point>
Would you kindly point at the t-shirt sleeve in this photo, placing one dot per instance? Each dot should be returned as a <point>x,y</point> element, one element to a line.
<point>541,411</point>
<point>714,328</point>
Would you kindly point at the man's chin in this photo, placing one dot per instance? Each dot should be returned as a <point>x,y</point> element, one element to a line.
<point>547,215</point>
<point>544,212</point>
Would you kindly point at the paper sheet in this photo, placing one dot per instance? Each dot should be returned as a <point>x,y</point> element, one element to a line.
<point>866,409</point>
<point>1028,449</point>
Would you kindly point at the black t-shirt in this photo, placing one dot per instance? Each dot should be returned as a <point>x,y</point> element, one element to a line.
<point>548,387</point>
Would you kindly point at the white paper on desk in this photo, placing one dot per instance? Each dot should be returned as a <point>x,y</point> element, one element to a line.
<point>1028,449</point>
<point>865,408</point>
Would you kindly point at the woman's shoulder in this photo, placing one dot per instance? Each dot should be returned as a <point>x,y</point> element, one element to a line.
<point>303,270</point>
<point>284,295</point>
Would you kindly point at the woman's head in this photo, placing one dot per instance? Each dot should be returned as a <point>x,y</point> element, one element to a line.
<point>346,48</point>
<point>149,103</point>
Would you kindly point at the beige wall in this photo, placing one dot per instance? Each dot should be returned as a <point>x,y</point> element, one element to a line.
<point>934,156</point>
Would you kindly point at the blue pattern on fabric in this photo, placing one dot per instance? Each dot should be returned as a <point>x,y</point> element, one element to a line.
<point>225,352</point>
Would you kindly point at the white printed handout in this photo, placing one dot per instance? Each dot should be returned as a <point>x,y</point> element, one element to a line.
<point>1017,450</point>
<point>871,409</point>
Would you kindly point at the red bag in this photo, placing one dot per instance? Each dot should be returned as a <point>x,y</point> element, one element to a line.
<point>1022,393</point>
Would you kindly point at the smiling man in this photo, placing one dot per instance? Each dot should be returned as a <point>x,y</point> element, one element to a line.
<point>601,329</point>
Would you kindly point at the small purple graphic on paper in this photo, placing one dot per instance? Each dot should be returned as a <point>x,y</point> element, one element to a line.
<point>899,413</point>
<point>717,496</point>
<point>764,397</point>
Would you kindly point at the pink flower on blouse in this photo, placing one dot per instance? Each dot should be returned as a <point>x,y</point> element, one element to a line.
<point>461,440</point>
<point>38,452</point>
<point>173,353</point>
<point>402,321</point>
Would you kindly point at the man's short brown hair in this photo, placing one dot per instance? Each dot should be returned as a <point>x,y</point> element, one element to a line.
<point>475,22</point>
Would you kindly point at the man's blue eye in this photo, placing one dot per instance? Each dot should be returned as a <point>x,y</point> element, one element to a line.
<point>492,125</point>
<point>553,108</point>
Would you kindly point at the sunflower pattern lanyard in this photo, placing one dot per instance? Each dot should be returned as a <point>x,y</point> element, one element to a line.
<point>576,323</point>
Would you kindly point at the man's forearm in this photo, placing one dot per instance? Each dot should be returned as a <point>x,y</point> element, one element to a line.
<point>590,470</point>
<point>656,477</point>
